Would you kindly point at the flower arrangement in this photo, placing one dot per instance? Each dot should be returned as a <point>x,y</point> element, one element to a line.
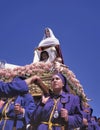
<point>45,70</point>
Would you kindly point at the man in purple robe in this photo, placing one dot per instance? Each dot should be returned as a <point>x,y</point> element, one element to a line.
<point>16,104</point>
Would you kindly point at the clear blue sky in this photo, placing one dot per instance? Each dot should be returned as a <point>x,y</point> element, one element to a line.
<point>76,23</point>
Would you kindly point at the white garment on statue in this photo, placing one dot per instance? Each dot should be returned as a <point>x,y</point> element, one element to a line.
<point>47,41</point>
<point>51,51</point>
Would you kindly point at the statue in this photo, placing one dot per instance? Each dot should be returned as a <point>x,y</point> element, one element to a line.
<point>50,44</point>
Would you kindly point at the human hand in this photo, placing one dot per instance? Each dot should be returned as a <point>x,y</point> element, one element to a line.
<point>37,80</point>
<point>33,79</point>
<point>1,103</point>
<point>18,109</point>
<point>44,99</point>
<point>85,122</point>
<point>64,114</point>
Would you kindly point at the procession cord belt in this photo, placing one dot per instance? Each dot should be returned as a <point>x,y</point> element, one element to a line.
<point>49,123</point>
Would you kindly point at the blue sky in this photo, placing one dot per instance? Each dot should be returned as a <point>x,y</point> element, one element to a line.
<point>76,23</point>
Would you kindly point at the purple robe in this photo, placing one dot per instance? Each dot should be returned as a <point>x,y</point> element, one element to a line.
<point>43,112</point>
<point>19,121</point>
<point>93,125</point>
<point>13,88</point>
<point>18,90</point>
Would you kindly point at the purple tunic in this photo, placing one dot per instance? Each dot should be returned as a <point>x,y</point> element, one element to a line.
<point>13,88</point>
<point>18,90</point>
<point>93,125</point>
<point>42,113</point>
<point>21,120</point>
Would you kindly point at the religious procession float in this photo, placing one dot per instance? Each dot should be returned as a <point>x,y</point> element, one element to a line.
<point>45,69</point>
